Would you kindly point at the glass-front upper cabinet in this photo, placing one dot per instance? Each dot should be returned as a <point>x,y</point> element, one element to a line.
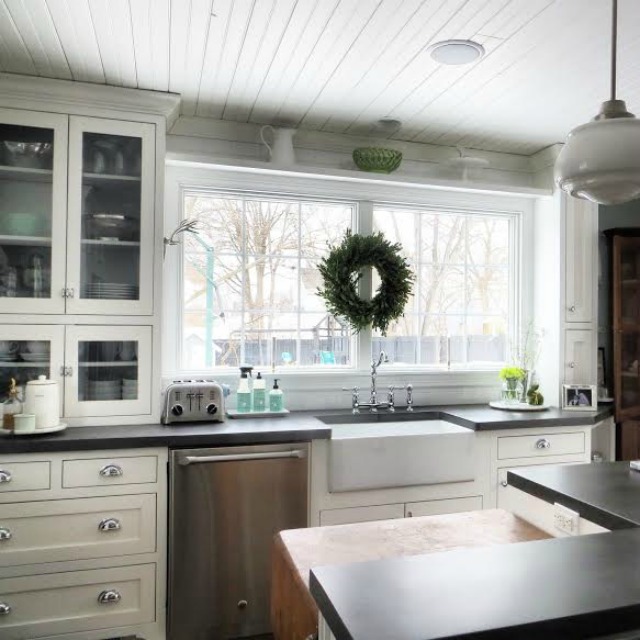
<point>111,217</point>
<point>33,208</point>
<point>108,371</point>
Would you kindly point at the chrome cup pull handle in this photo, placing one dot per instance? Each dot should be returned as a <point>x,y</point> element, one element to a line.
<point>109,596</point>
<point>5,476</point>
<point>5,534</point>
<point>109,524</point>
<point>543,443</point>
<point>111,471</point>
<point>5,609</point>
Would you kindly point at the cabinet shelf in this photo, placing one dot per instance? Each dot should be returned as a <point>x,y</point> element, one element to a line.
<point>30,241</point>
<point>112,243</point>
<point>629,282</point>
<point>24,365</point>
<point>25,174</point>
<point>103,178</point>
<point>114,363</point>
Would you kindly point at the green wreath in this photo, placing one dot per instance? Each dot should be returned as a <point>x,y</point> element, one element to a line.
<point>342,269</point>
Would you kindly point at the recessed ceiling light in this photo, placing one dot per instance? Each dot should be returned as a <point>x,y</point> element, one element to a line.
<point>456,52</point>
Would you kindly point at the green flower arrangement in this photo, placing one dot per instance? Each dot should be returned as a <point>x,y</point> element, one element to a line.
<point>511,373</point>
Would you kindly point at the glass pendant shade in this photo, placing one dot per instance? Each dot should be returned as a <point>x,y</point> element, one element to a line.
<point>600,161</point>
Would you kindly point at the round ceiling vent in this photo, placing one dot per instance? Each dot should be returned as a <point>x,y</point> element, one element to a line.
<point>456,52</point>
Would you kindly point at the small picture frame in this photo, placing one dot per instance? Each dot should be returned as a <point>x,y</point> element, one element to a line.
<point>579,397</point>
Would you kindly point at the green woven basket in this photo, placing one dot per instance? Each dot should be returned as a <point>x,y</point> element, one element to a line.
<point>377,159</point>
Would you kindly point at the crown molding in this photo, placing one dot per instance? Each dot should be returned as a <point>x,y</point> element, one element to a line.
<point>65,96</point>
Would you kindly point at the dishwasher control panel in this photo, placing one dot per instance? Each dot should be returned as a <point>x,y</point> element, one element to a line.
<point>193,401</point>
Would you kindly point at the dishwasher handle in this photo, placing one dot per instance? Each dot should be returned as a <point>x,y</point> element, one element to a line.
<point>236,457</point>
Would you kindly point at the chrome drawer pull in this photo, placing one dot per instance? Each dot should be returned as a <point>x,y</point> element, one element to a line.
<point>543,443</point>
<point>110,596</point>
<point>5,534</point>
<point>5,476</point>
<point>111,471</point>
<point>109,524</point>
<point>5,609</point>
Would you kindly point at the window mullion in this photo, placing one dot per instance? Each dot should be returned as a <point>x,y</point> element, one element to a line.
<point>364,226</point>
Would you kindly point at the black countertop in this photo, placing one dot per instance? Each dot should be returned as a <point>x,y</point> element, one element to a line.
<point>565,588</point>
<point>295,427</point>
<point>605,493</point>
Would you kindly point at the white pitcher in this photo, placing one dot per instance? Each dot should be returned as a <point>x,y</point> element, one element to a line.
<point>281,150</point>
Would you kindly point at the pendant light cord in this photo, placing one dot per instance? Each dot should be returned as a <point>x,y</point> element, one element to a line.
<point>614,46</point>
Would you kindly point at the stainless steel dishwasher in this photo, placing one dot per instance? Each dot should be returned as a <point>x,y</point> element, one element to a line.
<point>225,506</point>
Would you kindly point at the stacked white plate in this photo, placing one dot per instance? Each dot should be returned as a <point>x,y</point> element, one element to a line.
<point>8,356</point>
<point>41,356</point>
<point>129,389</point>
<point>110,291</point>
<point>104,390</point>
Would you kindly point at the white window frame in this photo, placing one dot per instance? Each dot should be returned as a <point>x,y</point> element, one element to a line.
<point>469,384</point>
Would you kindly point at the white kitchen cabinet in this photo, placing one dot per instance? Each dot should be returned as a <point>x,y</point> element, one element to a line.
<point>76,214</point>
<point>102,370</point>
<point>33,206</point>
<point>581,221</point>
<point>83,562</point>
<point>441,507</point>
<point>580,356</point>
<point>369,513</point>
<point>111,217</point>
<point>108,371</point>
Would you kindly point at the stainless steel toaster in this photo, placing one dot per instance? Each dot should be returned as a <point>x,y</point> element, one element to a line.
<point>193,401</point>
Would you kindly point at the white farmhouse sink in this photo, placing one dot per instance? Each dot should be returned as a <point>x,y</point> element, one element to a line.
<point>374,455</point>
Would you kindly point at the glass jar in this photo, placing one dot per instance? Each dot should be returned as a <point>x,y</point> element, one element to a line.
<point>512,390</point>
<point>11,406</point>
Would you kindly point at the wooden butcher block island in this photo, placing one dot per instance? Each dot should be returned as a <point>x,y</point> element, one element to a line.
<point>294,615</point>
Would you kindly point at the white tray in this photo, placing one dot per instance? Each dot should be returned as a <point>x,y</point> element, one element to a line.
<point>232,413</point>
<point>519,406</point>
<point>61,427</point>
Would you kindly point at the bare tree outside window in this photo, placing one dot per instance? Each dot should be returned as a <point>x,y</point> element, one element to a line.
<point>250,279</point>
<point>459,314</point>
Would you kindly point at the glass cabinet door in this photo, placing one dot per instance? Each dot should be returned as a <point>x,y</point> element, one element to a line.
<point>109,371</point>
<point>27,352</point>
<point>111,207</point>
<point>33,177</point>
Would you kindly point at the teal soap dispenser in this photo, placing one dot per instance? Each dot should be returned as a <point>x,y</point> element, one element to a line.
<point>276,398</point>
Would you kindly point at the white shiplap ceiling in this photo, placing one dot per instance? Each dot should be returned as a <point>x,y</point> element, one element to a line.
<point>340,65</point>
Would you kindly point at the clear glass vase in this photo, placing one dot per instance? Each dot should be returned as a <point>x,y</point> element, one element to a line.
<point>512,390</point>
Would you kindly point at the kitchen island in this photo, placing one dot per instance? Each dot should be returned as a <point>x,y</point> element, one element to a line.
<point>575,587</point>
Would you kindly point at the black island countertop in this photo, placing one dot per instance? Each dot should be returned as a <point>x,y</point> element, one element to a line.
<point>565,588</point>
<point>298,426</point>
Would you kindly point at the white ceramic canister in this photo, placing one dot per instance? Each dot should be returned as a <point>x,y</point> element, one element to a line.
<point>41,397</point>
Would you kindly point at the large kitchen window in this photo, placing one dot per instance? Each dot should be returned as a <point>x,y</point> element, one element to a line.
<point>250,279</point>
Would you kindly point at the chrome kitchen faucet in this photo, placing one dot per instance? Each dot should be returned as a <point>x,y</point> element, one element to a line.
<point>373,403</point>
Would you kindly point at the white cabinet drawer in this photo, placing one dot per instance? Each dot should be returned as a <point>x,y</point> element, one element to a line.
<point>541,445</point>
<point>439,507</point>
<point>351,515</point>
<point>24,476</point>
<point>77,529</point>
<point>105,472</point>
<point>57,603</point>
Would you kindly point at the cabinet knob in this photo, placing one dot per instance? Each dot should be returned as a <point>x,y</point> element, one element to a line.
<point>409,514</point>
<point>5,476</point>
<point>111,471</point>
<point>543,443</point>
<point>242,604</point>
<point>5,534</point>
<point>5,609</point>
<point>109,596</point>
<point>572,308</point>
<point>572,365</point>
<point>504,483</point>
<point>109,524</point>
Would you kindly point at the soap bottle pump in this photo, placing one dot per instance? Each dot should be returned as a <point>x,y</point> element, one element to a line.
<point>276,398</point>
<point>243,394</point>
<point>259,394</point>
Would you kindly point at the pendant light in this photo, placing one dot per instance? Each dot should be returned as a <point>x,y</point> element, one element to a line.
<point>600,160</point>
